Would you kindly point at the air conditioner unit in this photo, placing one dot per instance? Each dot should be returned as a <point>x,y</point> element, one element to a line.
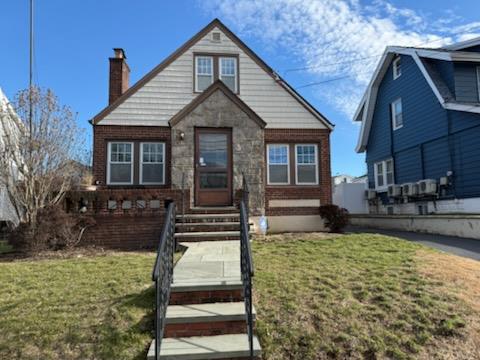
<point>394,190</point>
<point>370,194</point>
<point>427,187</point>
<point>410,189</point>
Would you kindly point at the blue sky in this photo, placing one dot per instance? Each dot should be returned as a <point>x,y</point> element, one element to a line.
<point>326,39</point>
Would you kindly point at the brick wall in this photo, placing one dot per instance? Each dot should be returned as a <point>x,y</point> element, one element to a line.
<point>322,191</point>
<point>126,227</point>
<point>102,134</point>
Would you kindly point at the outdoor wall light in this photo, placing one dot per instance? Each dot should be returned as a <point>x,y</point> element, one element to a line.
<point>182,135</point>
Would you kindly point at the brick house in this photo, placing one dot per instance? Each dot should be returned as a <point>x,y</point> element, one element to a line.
<point>210,112</point>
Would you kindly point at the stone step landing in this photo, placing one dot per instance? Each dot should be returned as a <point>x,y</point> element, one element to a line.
<point>231,346</point>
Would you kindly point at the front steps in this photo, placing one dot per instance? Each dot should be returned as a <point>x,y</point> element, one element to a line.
<point>206,316</point>
<point>208,224</point>
<point>233,346</point>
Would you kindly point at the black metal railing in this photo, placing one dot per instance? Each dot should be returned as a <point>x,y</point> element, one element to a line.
<point>163,275</point>
<point>183,197</point>
<point>246,263</point>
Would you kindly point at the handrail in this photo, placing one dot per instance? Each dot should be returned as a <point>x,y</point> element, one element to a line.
<point>246,263</point>
<point>162,275</point>
<point>183,197</point>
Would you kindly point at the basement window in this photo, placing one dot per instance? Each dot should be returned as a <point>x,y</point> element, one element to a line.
<point>203,72</point>
<point>120,163</point>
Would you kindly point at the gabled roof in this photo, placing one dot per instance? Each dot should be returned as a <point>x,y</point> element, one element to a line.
<point>182,49</point>
<point>364,112</point>
<point>464,44</point>
<point>220,86</point>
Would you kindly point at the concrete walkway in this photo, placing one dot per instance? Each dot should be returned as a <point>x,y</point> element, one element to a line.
<point>469,248</point>
<point>209,262</point>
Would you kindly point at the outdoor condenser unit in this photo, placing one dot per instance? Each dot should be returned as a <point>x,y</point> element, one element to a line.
<point>410,189</point>
<point>427,187</point>
<point>370,194</point>
<point>394,190</point>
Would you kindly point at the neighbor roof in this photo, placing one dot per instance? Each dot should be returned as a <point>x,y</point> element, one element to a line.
<point>364,112</point>
<point>182,49</point>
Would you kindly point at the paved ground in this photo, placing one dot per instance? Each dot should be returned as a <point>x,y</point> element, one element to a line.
<point>469,248</point>
<point>209,261</point>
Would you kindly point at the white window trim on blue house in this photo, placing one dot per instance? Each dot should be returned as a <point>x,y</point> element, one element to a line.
<point>396,117</point>
<point>384,174</point>
<point>397,68</point>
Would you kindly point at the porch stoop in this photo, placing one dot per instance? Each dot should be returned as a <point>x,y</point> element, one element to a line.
<point>206,316</point>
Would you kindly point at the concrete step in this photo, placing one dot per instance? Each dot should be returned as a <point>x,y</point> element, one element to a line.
<point>213,209</point>
<point>195,313</point>
<point>208,226</point>
<point>203,218</point>
<point>207,236</point>
<point>205,347</point>
<point>205,319</point>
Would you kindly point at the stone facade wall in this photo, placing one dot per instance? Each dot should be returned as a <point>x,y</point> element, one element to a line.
<point>218,111</point>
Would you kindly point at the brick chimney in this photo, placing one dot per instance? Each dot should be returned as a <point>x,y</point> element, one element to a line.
<point>119,75</point>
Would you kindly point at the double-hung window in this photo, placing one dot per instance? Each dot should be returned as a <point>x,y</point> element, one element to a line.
<point>396,114</point>
<point>383,171</point>
<point>120,163</point>
<point>278,172</point>
<point>306,171</point>
<point>203,72</point>
<point>228,72</point>
<point>397,68</point>
<point>152,163</point>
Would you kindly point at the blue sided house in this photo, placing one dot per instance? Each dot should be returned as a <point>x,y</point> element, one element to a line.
<point>420,129</point>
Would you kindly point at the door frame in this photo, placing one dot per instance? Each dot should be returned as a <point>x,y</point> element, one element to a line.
<point>213,130</point>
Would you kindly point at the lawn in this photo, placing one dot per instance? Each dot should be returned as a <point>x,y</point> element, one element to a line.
<point>354,296</point>
<point>360,296</point>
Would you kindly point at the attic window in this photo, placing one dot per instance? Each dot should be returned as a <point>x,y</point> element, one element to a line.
<point>216,37</point>
<point>397,68</point>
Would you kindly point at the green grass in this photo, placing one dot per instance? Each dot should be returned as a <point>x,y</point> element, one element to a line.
<point>78,308</point>
<point>354,296</point>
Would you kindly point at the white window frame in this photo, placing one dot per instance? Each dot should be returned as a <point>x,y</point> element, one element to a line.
<point>478,82</point>
<point>395,66</point>
<point>109,162</point>
<point>296,165</point>
<point>384,174</point>
<point>392,113</point>
<point>235,67</point>
<point>268,164</point>
<point>212,75</point>
<point>141,163</point>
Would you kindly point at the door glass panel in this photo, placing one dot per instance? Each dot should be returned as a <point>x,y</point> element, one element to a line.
<point>213,180</point>
<point>212,150</point>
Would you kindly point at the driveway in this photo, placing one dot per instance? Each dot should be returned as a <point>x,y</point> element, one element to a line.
<point>469,248</point>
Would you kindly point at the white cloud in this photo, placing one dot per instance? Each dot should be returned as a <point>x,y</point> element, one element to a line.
<point>328,35</point>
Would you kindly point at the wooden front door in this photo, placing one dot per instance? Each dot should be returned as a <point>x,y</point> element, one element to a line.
<point>213,167</point>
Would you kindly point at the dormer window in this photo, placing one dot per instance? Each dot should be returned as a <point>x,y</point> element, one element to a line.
<point>397,68</point>
<point>228,72</point>
<point>211,67</point>
<point>203,72</point>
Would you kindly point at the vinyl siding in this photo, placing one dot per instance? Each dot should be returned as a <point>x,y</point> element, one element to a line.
<point>466,85</point>
<point>423,148</point>
<point>445,68</point>
<point>172,89</point>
